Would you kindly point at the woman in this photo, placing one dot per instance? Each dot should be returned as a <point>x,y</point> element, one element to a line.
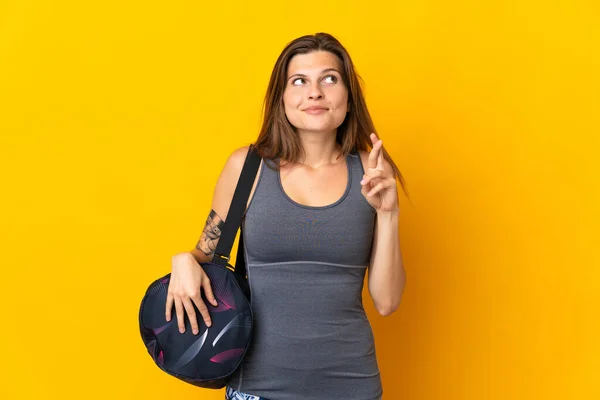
<point>323,208</point>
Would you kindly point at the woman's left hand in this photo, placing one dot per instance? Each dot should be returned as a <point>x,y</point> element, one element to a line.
<point>379,182</point>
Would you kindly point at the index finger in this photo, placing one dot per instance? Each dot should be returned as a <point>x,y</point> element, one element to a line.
<point>380,159</point>
<point>374,154</point>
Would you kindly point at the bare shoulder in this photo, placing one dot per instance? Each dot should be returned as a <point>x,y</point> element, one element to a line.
<point>229,177</point>
<point>236,159</point>
<point>227,181</point>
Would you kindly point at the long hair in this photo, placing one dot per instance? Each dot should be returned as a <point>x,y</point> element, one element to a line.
<point>277,138</point>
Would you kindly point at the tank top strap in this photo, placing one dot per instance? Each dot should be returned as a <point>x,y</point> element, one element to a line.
<point>357,169</point>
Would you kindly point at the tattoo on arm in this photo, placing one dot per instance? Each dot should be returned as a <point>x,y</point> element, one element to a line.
<point>211,234</point>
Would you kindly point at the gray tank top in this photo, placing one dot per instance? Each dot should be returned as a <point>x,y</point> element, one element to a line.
<point>306,268</point>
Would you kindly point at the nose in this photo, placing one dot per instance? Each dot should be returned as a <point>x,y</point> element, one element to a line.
<point>315,92</point>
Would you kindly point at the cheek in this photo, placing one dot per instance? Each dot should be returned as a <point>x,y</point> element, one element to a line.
<point>342,108</point>
<point>340,101</point>
<point>292,99</point>
<point>291,102</point>
<point>339,97</point>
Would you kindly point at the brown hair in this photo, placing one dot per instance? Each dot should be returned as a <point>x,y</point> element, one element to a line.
<point>277,138</point>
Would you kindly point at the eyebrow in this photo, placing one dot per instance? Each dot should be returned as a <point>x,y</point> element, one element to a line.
<point>322,72</point>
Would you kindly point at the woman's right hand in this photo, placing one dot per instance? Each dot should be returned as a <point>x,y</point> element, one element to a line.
<point>187,278</point>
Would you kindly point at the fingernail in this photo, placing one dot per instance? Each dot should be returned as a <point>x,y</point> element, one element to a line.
<point>362,182</point>
<point>208,323</point>
<point>195,331</point>
<point>181,330</point>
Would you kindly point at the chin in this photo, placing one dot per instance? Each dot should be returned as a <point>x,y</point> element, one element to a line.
<point>323,129</point>
<point>316,124</point>
<point>318,127</point>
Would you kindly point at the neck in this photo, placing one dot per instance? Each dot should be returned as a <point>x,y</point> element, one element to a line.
<point>320,148</point>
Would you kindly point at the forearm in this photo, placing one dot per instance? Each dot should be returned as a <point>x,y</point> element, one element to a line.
<point>207,244</point>
<point>200,256</point>
<point>387,276</point>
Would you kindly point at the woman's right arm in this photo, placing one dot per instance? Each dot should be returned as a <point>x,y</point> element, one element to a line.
<point>187,276</point>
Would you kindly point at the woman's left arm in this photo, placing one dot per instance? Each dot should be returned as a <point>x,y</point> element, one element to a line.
<point>386,270</point>
<point>387,276</point>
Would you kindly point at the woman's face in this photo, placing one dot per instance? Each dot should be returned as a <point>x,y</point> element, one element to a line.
<point>315,97</point>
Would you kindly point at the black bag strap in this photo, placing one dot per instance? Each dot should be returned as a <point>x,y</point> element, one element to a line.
<point>237,209</point>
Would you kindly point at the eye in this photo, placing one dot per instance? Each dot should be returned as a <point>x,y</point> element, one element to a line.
<point>296,80</point>
<point>332,78</point>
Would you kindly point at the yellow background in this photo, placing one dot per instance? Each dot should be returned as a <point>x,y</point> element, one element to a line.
<point>117,116</point>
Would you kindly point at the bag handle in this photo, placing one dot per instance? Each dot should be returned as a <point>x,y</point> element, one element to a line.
<point>237,209</point>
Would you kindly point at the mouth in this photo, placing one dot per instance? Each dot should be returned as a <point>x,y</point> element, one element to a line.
<point>315,110</point>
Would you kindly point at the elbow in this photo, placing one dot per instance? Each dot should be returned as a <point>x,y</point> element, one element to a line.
<point>388,309</point>
<point>392,304</point>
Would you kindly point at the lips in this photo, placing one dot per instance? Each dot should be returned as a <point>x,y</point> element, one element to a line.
<point>315,110</point>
